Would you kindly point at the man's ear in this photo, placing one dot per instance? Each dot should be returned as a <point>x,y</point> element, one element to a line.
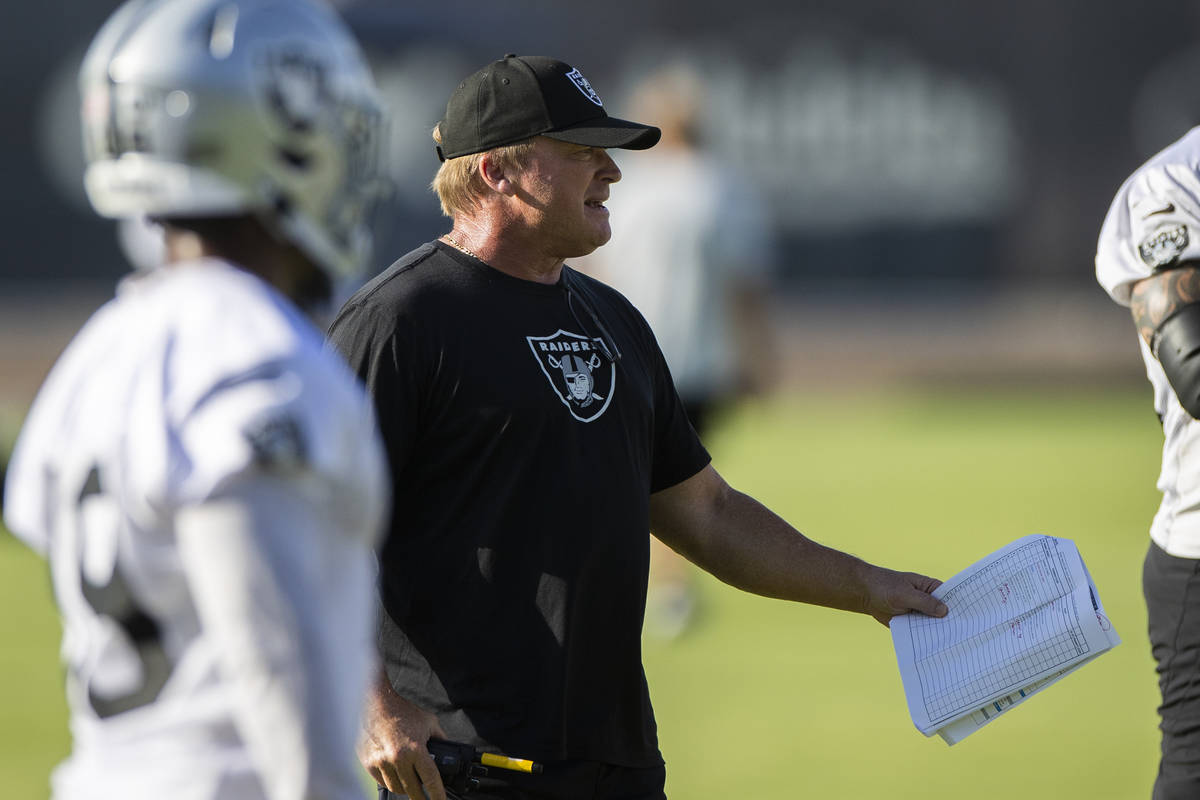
<point>495,177</point>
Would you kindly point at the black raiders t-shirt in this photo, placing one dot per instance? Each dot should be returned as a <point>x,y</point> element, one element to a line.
<point>526,426</point>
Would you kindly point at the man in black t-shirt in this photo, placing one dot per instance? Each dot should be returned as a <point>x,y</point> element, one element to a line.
<point>535,438</point>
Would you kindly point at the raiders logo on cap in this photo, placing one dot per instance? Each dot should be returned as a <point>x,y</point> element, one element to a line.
<point>582,83</point>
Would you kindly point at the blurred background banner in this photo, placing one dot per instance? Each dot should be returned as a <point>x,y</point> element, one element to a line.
<point>966,142</point>
<point>934,170</point>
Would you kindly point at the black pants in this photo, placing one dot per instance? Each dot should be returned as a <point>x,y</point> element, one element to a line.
<point>568,780</point>
<point>1172,589</point>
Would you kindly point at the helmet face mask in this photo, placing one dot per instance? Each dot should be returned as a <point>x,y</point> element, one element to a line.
<point>209,108</point>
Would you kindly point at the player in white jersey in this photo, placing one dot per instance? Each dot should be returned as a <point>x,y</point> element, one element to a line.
<point>202,473</point>
<point>1148,258</point>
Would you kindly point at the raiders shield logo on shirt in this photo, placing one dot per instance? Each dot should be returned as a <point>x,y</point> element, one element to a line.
<point>578,372</point>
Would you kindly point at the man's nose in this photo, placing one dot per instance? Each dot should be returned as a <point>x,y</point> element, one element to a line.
<point>608,171</point>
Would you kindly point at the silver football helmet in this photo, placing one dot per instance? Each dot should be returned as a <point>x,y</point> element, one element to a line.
<point>206,108</point>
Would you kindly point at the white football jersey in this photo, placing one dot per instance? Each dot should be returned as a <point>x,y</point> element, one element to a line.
<point>197,383</point>
<point>1153,223</point>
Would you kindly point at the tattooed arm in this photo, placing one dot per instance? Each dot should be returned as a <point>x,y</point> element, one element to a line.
<point>1166,311</point>
<point>1156,298</point>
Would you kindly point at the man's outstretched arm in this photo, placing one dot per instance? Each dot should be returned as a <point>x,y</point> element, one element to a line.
<point>745,544</point>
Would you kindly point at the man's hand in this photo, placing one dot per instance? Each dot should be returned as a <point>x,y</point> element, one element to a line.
<point>393,745</point>
<point>890,593</point>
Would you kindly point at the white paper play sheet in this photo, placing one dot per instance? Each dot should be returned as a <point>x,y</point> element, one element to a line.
<point>1019,620</point>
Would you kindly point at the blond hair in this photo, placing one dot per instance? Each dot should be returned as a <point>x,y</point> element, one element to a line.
<point>458,183</point>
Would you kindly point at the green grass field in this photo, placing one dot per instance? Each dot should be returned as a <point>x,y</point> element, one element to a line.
<point>765,699</point>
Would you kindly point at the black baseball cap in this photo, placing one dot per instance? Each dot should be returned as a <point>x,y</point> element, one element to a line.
<point>522,96</point>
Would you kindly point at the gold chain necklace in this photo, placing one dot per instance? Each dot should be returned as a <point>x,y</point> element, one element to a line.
<point>450,240</point>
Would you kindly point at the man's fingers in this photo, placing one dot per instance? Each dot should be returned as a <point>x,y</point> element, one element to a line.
<point>371,758</point>
<point>925,583</point>
<point>928,604</point>
<point>921,600</point>
<point>900,593</point>
<point>391,778</point>
<point>427,771</point>
<point>410,788</point>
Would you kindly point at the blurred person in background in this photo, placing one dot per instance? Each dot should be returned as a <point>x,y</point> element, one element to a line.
<point>203,474</point>
<point>1148,258</point>
<point>535,438</point>
<point>692,249</point>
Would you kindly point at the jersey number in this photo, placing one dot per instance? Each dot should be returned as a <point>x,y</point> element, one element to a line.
<point>115,601</point>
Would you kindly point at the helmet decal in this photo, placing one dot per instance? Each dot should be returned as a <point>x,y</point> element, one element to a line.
<point>296,88</point>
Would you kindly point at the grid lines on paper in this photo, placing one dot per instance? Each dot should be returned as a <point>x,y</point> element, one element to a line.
<point>1010,622</point>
